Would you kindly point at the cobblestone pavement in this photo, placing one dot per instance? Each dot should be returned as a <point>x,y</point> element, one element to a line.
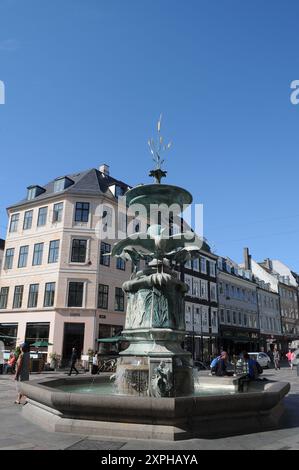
<point>18,433</point>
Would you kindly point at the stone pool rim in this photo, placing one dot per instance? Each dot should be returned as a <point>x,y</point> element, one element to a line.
<point>149,417</point>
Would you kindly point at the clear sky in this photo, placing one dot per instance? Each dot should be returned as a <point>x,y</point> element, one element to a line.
<point>87,79</point>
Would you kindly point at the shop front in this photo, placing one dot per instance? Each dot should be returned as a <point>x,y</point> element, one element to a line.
<point>235,341</point>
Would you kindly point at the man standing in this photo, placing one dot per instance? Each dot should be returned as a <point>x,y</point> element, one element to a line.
<point>74,358</point>
<point>276,357</point>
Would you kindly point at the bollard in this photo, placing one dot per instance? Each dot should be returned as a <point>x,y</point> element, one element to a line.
<point>298,369</point>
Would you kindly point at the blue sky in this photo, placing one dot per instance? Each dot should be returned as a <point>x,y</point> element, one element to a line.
<point>87,79</point>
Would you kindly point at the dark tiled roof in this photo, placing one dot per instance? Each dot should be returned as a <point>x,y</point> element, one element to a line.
<point>2,244</point>
<point>92,182</point>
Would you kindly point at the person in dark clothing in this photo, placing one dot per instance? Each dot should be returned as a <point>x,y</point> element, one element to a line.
<point>74,358</point>
<point>222,364</point>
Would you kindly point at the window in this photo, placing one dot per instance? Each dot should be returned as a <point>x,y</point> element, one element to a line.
<point>212,268</point>
<point>14,222</point>
<point>213,292</point>
<point>4,297</point>
<point>27,220</point>
<point>38,254</point>
<point>9,255</point>
<point>196,287</point>
<point>234,318</point>
<point>34,191</point>
<point>103,296</point>
<point>227,316</point>
<point>42,216</point>
<point>23,256</point>
<point>188,281</point>
<point>120,264</point>
<point>76,290</point>
<point>220,288</point>
<point>119,299</point>
<point>119,191</point>
<point>79,251</point>
<point>196,264</point>
<point>57,212</point>
<point>37,332</point>
<point>82,212</point>
<point>222,320</point>
<point>203,265</point>
<point>18,297</point>
<point>188,264</point>
<point>204,289</point>
<point>53,251</point>
<point>33,295</point>
<point>49,294</point>
<point>104,258</point>
<point>240,318</point>
<point>245,319</point>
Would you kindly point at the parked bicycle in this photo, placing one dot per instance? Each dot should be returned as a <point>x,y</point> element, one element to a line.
<point>108,365</point>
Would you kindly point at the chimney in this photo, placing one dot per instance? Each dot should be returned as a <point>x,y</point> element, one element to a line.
<point>104,169</point>
<point>247,259</point>
<point>268,264</point>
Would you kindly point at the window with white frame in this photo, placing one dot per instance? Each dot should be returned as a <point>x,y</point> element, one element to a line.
<point>204,289</point>
<point>205,319</point>
<point>188,281</point>
<point>197,320</point>
<point>203,265</point>
<point>196,264</point>
<point>188,264</point>
<point>228,317</point>
<point>212,268</point>
<point>214,320</point>
<point>213,292</point>
<point>196,287</point>
<point>222,316</point>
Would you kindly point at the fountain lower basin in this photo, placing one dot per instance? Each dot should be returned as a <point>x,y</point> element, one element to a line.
<point>210,414</point>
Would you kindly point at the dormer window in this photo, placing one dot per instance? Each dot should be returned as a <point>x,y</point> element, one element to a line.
<point>60,184</point>
<point>34,191</point>
<point>117,190</point>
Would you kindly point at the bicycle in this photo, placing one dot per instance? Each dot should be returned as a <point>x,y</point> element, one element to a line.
<point>108,366</point>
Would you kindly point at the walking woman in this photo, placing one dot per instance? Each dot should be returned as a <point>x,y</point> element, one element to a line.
<point>22,369</point>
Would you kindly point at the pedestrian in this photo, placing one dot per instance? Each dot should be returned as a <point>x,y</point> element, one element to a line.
<point>74,358</point>
<point>22,369</point>
<point>95,365</point>
<point>276,357</point>
<point>222,365</point>
<point>10,364</point>
<point>253,367</point>
<point>290,356</point>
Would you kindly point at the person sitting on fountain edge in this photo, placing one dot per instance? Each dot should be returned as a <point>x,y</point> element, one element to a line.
<point>253,367</point>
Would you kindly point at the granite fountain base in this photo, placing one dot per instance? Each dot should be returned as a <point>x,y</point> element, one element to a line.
<point>140,417</point>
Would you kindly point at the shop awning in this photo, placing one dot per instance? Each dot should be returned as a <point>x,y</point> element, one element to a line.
<point>41,344</point>
<point>114,339</point>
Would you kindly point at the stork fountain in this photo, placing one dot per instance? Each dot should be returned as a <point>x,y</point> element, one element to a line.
<point>155,363</point>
